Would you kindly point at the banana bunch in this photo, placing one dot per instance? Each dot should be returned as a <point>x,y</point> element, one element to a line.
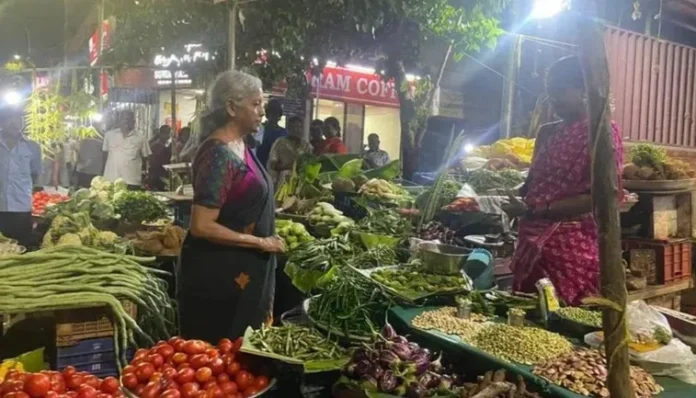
<point>8,365</point>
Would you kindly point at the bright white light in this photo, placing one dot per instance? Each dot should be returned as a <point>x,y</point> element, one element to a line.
<point>12,97</point>
<point>544,9</point>
<point>360,68</point>
<point>17,57</point>
<point>331,64</point>
<point>315,61</point>
<point>468,148</point>
<point>411,78</point>
<point>97,117</point>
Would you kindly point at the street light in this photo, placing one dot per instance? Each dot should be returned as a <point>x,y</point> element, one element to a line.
<point>12,97</point>
<point>544,9</point>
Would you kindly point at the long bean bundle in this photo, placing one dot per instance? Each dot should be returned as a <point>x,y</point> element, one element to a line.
<point>77,276</point>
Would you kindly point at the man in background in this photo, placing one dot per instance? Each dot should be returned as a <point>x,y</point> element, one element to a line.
<point>375,157</point>
<point>125,150</point>
<point>161,149</point>
<point>271,130</point>
<point>20,168</point>
<point>333,145</point>
<point>316,134</point>
<point>286,151</point>
<point>90,160</point>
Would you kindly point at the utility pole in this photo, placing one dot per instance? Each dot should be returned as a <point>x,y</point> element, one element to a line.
<point>232,33</point>
<point>509,83</point>
<point>100,79</point>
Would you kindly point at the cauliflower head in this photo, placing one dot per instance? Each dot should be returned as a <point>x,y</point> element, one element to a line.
<point>69,239</point>
<point>97,183</point>
<point>107,238</point>
<point>47,240</point>
<point>120,185</point>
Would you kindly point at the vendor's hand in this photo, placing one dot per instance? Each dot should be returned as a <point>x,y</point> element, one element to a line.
<point>514,207</point>
<point>273,244</point>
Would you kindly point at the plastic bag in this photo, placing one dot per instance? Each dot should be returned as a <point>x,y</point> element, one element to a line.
<point>674,360</point>
<point>643,320</point>
<point>467,192</point>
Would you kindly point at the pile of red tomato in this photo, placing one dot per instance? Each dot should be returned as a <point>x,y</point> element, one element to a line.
<point>181,368</point>
<point>66,384</point>
<point>42,199</point>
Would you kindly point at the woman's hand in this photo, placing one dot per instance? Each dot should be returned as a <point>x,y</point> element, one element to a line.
<point>273,244</point>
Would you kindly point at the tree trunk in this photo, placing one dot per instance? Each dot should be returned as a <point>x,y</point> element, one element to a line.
<point>605,194</point>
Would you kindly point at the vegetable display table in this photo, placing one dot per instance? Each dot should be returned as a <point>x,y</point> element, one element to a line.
<point>672,388</point>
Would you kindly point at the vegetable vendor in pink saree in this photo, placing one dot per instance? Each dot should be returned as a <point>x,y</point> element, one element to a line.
<point>558,234</point>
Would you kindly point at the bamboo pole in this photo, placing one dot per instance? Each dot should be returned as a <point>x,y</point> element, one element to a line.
<point>605,194</point>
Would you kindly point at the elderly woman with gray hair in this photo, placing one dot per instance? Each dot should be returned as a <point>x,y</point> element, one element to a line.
<point>227,266</point>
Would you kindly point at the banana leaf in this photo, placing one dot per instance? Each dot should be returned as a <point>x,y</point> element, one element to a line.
<point>307,280</point>
<point>335,162</point>
<point>351,169</point>
<point>387,172</point>
<point>319,366</point>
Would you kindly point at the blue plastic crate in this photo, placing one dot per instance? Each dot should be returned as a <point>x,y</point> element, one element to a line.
<point>86,347</point>
<point>99,368</point>
<point>76,360</point>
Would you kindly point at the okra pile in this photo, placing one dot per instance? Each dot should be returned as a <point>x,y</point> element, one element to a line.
<point>77,276</point>
<point>296,342</point>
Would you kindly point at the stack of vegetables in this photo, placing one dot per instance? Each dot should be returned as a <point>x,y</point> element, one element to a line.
<point>516,152</point>
<point>10,246</point>
<point>136,207</point>
<point>651,163</point>
<point>42,199</point>
<point>76,276</point>
<point>381,190</point>
<point>292,233</point>
<point>68,383</point>
<point>325,215</point>
<point>164,242</point>
<point>296,342</point>
<point>313,264</point>
<point>180,368</point>
<point>483,180</point>
<point>96,201</point>
<point>77,230</point>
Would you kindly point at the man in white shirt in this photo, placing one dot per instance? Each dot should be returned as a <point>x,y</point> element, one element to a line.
<point>125,150</point>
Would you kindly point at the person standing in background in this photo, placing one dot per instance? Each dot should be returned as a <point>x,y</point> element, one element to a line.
<point>125,150</point>
<point>161,155</point>
<point>181,140</point>
<point>316,134</point>
<point>90,160</point>
<point>333,145</point>
<point>55,166</point>
<point>375,157</point>
<point>271,130</point>
<point>20,169</point>
<point>286,151</point>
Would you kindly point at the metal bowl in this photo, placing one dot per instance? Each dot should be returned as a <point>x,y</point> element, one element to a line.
<point>443,259</point>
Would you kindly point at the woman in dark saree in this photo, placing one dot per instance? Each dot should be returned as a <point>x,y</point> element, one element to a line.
<point>227,267</point>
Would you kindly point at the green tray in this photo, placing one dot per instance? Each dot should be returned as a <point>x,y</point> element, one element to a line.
<point>672,388</point>
<point>308,366</point>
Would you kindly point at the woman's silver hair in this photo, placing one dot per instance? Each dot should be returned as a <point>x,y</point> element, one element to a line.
<point>230,87</point>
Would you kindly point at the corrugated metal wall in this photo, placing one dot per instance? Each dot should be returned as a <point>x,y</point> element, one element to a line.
<point>654,88</point>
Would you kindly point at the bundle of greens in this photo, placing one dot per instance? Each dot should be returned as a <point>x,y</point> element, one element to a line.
<point>313,264</point>
<point>350,304</point>
<point>483,180</point>
<point>378,256</point>
<point>385,222</point>
<point>137,206</point>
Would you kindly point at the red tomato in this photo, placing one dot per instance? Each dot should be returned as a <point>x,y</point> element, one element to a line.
<point>171,393</point>
<point>144,371</point>
<point>212,352</point>
<point>156,360</point>
<point>129,380</point>
<point>109,385</point>
<point>104,395</point>
<point>189,390</point>
<point>18,394</point>
<point>71,394</point>
<point>236,345</point>
<point>140,352</point>
<point>179,358</point>
<point>223,377</point>
<point>74,382</point>
<point>138,390</point>
<point>151,390</point>
<point>183,366</point>
<point>199,360</point>
<point>193,347</point>
<point>165,350</point>
<point>169,373</point>
<point>37,385</point>
<point>215,392</point>
<point>233,368</point>
<point>51,394</point>
<point>13,375</point>
<point>169,383</point>
<point>251,391</point>
<point>186,375</point>
<point>261,382</point>
<point>87,391</point>
<point>178,344</point>
<point>57,383</point>
<point>12,386</point>
<point>217,365</point>
<point>243,379</point>
<point>208,384</point>
<point>229,387</point>
<point>201,394</point>
<point>204,374</point>
<point>156,377</point>
<point>128,369</point>
<point>225,346</point>
<point>92,381</point>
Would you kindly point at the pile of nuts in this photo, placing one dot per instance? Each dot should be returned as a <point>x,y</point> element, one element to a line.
<point>585,372</point>
<point>445,320</point>
<point>581,315</point>
<point>526,345</point>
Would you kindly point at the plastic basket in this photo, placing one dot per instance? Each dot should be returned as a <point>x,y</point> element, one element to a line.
<point>87,323</point>
<point>672,258</point>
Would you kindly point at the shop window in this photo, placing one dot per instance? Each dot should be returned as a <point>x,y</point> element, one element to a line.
<point>353,130</point>
<point>386,123</point>
<point>328,108</point>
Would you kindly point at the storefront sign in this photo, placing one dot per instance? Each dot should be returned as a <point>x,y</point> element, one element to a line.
<point>192,53</point>
<point>342,84</point>
<point>94,42</point>
<point>163,77</point>
<point>448,103</point>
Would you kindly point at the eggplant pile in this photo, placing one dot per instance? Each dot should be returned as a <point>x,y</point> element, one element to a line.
<point>436,230</point>
<point>393,365</point>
